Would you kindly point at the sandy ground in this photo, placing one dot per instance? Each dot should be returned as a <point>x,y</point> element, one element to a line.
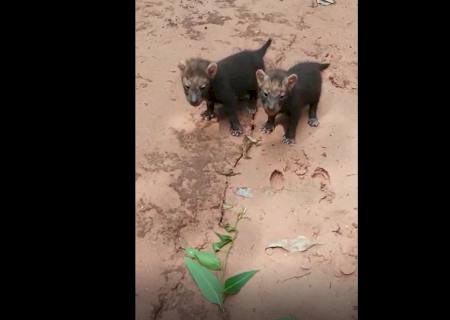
<point>179,190</point>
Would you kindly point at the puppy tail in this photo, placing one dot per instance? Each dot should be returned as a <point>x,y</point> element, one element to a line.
<point>263,49</point>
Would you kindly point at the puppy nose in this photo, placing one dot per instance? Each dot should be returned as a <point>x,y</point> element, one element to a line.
<point>194,98</point>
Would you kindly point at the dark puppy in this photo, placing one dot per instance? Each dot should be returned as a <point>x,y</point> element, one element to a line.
<point>289,92</point>
<point>223,82</point>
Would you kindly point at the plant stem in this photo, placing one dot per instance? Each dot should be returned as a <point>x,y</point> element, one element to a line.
<point>224,269</point>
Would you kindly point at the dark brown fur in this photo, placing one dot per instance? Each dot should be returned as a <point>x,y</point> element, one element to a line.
<point>289,92</point>
<point>222,82</point>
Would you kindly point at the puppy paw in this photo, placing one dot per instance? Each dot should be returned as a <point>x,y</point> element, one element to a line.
<point>313,122</point>
<point>267,128</point>
<point>236,131</point>
<point>208,115</point>
<point>251,111</point>
<point>287,140</point>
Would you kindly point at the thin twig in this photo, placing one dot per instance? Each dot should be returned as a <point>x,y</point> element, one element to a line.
<point>239,217</point>
<point>297,277</point>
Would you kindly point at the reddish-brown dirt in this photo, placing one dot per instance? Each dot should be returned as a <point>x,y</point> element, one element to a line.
<point>180,158</point>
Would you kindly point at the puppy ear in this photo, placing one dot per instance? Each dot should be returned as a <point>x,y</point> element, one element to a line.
<point>260,76</point>
<point>290,81</point>
<point>212,69</point>
<point>182,66</point>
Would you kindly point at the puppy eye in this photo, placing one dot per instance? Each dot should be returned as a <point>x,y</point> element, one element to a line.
<point>203,86</point>
<point>265,93</point>
<point>186,86</point>
<point>282,96</point>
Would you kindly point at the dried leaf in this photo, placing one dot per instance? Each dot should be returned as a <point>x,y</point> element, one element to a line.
<point>247,144</point>
<point>244,192</point>
<point>252,139</point>
<point>298,244</point>
<point>227,206</point>
<point>325,2</point>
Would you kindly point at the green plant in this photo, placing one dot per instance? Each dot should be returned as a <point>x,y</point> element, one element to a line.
<point>202,264</point>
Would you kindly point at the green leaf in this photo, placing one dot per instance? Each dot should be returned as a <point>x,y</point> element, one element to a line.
<point>208,260</point>
<point>224,240</point>
<point>224,237</point>
<point>207,282</point>
<point>235,283</point>
<point>219,245</point>
<point>191,252</point>
<point>229,228</point>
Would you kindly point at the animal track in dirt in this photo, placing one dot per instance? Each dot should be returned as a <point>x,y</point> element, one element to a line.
<point>344,266</point>
<point>286,48</point>
<point>324,177</point>
<point>321,173</point>
<point>142,82</point>
<point>338,82</point>
<point>277,180</point>
<point>301,165</point>
<point>302,170</point>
